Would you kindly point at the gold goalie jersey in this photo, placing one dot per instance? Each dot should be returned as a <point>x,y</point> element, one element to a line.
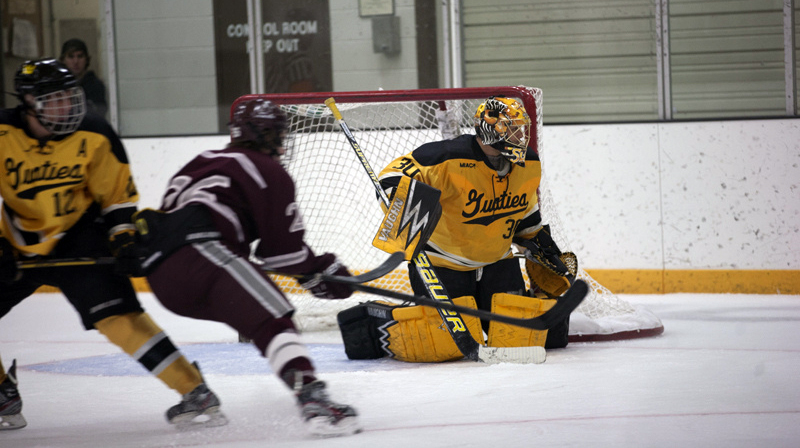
<point>47,186</point>
<point>481,211</point>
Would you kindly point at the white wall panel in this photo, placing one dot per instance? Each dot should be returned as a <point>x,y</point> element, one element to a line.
<point>605,183</point>
<point>729,191</point>
<point>155,160</point>
<point>731,194</point>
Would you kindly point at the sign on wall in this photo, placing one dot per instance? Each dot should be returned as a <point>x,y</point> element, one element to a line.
<point>296,45</point>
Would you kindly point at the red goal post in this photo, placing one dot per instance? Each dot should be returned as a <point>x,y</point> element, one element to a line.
<point>341,212</point>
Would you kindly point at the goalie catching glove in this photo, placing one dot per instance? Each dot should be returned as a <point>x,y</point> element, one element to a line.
<point>327,264</point>
<point>548,268</point>
<point>543,250</point>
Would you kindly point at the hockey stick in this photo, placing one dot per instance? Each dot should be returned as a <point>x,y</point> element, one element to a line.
<point>384,268</point>
<point>65,262</point>
<point>563,307</point>
<point>468,346</point>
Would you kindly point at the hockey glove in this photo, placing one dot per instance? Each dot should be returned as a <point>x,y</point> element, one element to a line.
<point>327,264</point>
<point>9,272</point>
<point>543,250</point>
<point>124,249</point>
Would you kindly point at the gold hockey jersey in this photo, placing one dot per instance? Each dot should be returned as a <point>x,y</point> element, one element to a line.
<point>47,186</point>
<point>481,211</point>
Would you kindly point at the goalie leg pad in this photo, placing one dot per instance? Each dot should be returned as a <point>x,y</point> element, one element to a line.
<point>420,335</point>
<point>376,329</point>
<point>505,335</point>
<point>359,327</point>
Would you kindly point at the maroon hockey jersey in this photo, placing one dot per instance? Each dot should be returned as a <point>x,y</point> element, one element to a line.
<point>251,198</point>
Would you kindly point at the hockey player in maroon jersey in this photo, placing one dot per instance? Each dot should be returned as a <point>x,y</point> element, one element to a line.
<point>68,192</point>
<point>220,207</point>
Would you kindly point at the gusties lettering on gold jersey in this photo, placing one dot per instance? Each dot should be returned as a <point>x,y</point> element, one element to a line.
<point>21,177</point>
<point>505,201</point>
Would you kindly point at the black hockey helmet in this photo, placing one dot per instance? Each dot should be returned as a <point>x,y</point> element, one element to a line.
<point>41,77</point>
<point>58,100</point>
<point>260,123</point>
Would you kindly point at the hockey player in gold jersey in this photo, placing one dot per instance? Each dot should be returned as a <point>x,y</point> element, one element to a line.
<point>489,201</point>
<point>68,192</point>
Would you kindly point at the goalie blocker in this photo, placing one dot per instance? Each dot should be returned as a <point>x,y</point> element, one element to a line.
<point>378,329</point>
<point>411,216</point>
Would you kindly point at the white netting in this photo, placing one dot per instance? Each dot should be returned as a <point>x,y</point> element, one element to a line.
<point>340,207</point>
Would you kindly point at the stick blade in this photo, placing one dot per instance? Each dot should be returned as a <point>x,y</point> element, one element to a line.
<point>515,355</point>
<point>384,268</point>
<point>565,305</point>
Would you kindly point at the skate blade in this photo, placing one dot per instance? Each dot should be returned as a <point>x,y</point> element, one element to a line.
<point>209,419</point>
<point>323,427</point>
<point>16,421</point>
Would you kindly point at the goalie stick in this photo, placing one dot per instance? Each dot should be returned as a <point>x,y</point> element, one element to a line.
<point>379,271</point>
<point>382,269</point>
<point>449,313</point>
<point>564,306</point>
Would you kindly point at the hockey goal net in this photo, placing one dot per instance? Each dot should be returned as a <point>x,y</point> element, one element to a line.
<point>341,211</point>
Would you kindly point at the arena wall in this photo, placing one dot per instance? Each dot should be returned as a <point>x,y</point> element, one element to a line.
<point>709,206</point>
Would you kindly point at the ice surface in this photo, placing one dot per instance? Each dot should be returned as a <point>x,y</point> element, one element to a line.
<point>724,373</point>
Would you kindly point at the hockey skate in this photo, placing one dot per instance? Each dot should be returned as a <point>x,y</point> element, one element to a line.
<point>198,408</point>
<point>10,402</point>
<point>322,416</point>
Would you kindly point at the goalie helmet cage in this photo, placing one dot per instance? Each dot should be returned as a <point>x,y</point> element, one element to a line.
<point>341,211</point>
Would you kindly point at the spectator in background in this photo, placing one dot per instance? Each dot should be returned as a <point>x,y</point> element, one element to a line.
<point>75,56</point>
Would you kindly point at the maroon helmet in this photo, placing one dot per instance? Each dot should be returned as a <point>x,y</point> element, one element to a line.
<point>260,123</point>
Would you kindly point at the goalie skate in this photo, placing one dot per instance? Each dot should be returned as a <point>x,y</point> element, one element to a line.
<point>323,417</point>
<point>10,402</point>
<point>198,408</point>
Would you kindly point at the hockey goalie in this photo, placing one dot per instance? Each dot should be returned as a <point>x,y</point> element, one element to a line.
<point>487,189</point>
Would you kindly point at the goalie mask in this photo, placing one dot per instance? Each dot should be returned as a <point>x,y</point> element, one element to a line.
<point>260,124</point>
<point>503,124</point>
<point>58,102</point>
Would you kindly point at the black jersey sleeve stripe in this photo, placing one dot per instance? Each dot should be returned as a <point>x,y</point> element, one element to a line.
<point>434,153</point>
